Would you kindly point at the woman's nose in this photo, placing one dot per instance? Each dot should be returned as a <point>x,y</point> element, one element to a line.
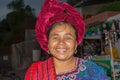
<point>61,41</point>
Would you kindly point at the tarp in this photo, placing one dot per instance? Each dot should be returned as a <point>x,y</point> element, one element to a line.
<point>116,17</point>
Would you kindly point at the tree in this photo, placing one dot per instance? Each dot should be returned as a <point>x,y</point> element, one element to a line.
<point>21,17</point>
<point>4,28</point>
<point>113,6</point>
<point>16,5</point>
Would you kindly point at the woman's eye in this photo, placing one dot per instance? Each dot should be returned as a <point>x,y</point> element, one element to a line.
<point>68,38</point>
<point>55,37</point>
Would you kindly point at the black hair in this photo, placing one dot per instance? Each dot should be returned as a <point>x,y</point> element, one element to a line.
<point>60,23</point>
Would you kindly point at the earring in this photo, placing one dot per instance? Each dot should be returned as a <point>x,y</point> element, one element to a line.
<point>76,51</point>
<point>48,52</point>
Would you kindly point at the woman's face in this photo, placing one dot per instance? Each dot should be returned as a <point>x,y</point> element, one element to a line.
<point>62,42</point>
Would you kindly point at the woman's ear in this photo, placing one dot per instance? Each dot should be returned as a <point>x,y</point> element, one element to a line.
<point>75,48</point>
<point>76,45</point>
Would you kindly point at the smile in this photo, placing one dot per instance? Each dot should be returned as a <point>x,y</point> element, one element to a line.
<point>61,50</point>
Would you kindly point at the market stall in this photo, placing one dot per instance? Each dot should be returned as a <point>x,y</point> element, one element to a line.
<point>107,31</point>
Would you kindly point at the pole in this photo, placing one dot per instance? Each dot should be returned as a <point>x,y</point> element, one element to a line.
<point>112,59</point>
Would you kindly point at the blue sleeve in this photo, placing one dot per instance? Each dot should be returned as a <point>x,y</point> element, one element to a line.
<point>95,71</point>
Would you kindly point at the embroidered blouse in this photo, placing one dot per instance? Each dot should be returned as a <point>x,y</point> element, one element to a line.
<point>84,70</point>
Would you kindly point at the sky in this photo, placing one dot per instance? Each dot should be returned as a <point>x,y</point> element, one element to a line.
<point>36,4</point>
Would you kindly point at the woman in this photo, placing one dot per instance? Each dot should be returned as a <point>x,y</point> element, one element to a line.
<point>59,29</point>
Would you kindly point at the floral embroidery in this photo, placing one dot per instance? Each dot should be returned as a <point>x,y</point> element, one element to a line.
<point>73,71</point>
<point>82,67</point>
<point>72,77</point>
<point>84,70</point>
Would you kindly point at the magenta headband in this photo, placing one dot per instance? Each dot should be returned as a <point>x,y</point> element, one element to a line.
<point>54,11</point>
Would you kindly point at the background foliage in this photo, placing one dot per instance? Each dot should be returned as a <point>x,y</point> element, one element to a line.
<point>21,17</point>
<point>113,6</point>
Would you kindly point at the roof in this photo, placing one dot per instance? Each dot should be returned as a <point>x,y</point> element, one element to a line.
<point>102,17</point>
<point>78,3</point>
<point>116,17</point>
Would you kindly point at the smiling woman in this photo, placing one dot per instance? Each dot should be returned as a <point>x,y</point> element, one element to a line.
<point>62,45</point>
<point>62,41</point>
<point>59,30</point>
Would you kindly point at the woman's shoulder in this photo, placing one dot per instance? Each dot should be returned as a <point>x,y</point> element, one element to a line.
<point>88,63</point>
<point>94,69</point>
<point>37,67</point>
<point>39,63</point>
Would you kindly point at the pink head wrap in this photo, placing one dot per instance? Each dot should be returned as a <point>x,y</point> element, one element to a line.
<point>55,11</point>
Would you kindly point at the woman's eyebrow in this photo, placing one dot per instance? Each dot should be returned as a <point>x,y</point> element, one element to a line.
<point>69,34</point>
<point>55,34</point>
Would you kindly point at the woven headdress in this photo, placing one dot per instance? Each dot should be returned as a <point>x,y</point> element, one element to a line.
<point>54,11</point>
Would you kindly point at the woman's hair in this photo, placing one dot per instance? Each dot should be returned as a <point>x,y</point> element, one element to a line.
<point>60,23</point>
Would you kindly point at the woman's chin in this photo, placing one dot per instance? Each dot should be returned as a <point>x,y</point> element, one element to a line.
<point>62,58</point>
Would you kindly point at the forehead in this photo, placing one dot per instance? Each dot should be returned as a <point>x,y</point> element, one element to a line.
<point>63,27</point>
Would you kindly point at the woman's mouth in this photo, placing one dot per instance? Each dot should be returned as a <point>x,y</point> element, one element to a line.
<point>61,50</point>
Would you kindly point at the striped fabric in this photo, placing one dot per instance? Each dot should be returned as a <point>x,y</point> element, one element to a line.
<point>41,71</point>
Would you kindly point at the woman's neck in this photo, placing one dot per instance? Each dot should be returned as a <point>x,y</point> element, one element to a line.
<point>64,66</point>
